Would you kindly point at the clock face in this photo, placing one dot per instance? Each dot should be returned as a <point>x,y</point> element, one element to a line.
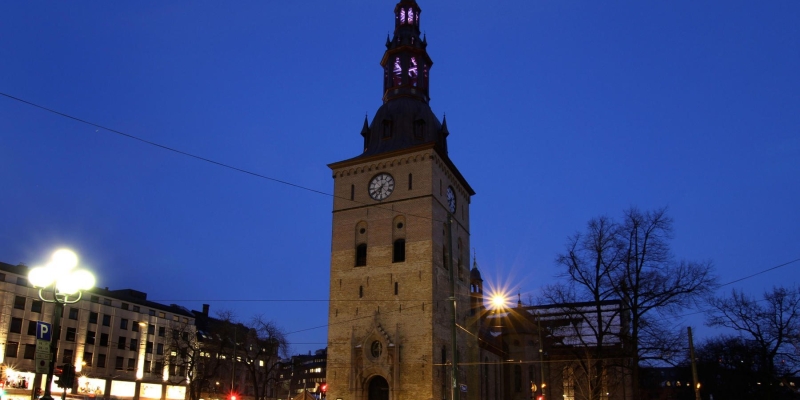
<point>381,186</point>
<point>451,199</point>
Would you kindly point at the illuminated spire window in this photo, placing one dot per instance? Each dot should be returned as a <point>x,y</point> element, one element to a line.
<point>412,71</point>
<point>402,16</point>
<point>398,72</point>
<point>410,15</point>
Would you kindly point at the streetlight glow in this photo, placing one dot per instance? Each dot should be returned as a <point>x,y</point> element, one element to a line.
<point>498,301</point>
<point>58,283</point>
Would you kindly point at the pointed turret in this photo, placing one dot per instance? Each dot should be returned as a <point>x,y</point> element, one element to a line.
<point>475,289</point>
<point>365,132</point>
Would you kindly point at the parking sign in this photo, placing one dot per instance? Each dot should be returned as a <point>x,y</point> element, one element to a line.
<point>44,331</point>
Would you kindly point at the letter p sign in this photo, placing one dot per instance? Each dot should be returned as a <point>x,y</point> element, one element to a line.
<point>44,331</point>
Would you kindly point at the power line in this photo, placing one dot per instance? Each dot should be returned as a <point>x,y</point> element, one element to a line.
<point>208,160</point>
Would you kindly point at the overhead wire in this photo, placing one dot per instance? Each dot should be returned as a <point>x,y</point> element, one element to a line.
<point>287,183</point>
<point>208,160</point>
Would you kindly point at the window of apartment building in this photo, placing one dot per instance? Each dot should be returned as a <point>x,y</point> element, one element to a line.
<point>175,318</point>
<point>106,320</point>
<point>101,361</point>
<point>36,306</point>
<point>123,323</point>
<point>19,302</point>
<point>125,306</point>
<point>94,299</point>
<point>147,367</point>
<point>162,315</point>
<point>152,313</point>
<point>135,326</point>
<point>92,317</point>
<point>148,348</point>
<point>16,325</point>
<point>73,313</point>
<point>87,358</point>
<point>121,342</point>
<point>159,367</point>
<point>11,349</point>
<point>119,362</point>
<point>151,329</point>
<point>30,351</point>
<point>106,302</point>
<point>132,345</point>
<point>2,277</point>
<point>70,335</point>
<point>90,335</point>
<point>67,356</point>
<point>136,308</point>
<point>162,331</point>
<point>32,328</point>
<point>131,364</point>
<point>104,339</point>
<point>22,281</point>
<point>160,349</point>
<point>185,336</point>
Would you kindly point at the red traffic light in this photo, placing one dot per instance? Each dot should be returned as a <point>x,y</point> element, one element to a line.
<point>540,397</point>
<point>233,397</point>
<point>323,388</point>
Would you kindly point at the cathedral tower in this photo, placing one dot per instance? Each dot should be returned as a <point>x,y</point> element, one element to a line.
<point>400,245</point>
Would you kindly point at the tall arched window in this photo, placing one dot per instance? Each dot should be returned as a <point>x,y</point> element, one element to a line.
<point>399,253</point>
<point>361,255</point>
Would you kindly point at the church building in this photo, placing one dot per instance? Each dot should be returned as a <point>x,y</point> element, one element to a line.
<point>402,302</point>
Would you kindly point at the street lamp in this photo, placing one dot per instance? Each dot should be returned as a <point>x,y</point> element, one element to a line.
<point>60,284</point>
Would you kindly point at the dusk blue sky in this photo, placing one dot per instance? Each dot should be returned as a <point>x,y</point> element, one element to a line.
<point>558,111</point>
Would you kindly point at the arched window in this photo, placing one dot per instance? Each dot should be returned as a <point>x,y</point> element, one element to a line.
<point>399,254</point>
<point>398,72</point>
<point>361,255</point>
<point>412,71</point>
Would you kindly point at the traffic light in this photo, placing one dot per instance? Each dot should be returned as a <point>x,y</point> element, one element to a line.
<point>323,389</point>
<point>232,396</point>
<point>67,378</point>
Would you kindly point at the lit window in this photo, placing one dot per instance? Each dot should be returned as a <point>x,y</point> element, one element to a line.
<point>398,71</point>
<point>412,71</point>
<point>402,16</point>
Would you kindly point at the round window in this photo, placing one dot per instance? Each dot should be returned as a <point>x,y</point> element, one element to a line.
<point>376,349</point>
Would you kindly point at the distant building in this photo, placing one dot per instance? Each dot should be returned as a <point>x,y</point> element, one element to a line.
<point>115,339</point>
<point>559,345</point>
<point>303,373</point>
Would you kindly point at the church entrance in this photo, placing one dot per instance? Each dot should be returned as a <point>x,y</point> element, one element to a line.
<point>378,389</point>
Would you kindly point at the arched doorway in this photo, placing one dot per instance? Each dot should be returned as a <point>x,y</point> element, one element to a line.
<point>378,389</point>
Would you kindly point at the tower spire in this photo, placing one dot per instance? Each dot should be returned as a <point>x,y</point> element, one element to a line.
<point>406,63</point>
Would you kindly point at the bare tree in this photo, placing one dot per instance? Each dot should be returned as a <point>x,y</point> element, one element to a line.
<point>264,345</point>
<point>196,354</point>
<point>631,261</point>
<point>590,259</point>
<point>771,325</point>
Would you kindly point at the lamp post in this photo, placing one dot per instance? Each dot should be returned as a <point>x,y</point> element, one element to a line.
<point>60,284</point>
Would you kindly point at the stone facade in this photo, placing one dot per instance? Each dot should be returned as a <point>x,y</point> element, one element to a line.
<point>394,319</point>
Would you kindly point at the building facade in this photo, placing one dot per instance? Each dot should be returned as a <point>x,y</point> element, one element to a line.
<point>303,373</point>
<point>114,338</point>
<point>399,289</point>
